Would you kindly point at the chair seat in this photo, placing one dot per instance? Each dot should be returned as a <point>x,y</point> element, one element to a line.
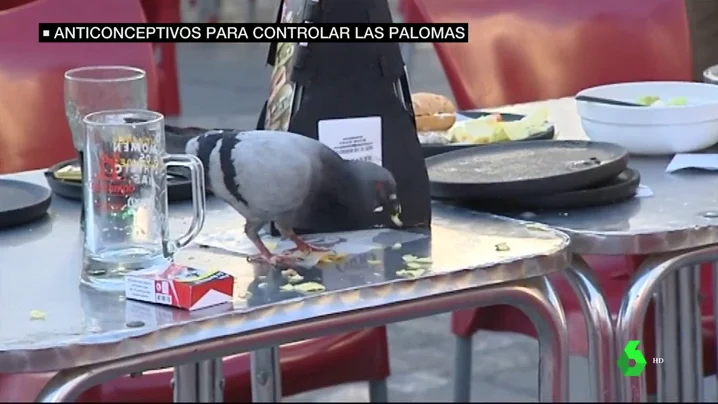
<point>306,365</point>
<point>613,276</point>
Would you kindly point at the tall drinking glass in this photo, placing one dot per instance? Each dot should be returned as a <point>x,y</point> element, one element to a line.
<point>125,176</point>
<point>96,88</point>
<point>710,75</point>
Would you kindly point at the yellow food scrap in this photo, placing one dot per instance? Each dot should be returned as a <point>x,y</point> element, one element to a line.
<point>502,247</point>
<point>413,262</point>
<point>396,246</point>
<point>287,288</point>
<point>373,262</point>
<point>411,273</point>
<point>246,295</point>
<point>310,287</point>
<point>333,257</point>
<point>536,226</point>
<point>408,257</point>
<point>37,315</point>
<point>271,245</point>
<point>70,173</point>
<point>295,278</point>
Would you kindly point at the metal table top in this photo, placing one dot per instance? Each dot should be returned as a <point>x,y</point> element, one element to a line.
<point>682,213</point>
<point>41,265</point>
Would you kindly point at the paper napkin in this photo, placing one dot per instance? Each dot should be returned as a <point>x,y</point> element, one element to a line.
<point>704,161</point>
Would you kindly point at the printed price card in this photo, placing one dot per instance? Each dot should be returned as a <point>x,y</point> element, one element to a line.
<point>353,138</point>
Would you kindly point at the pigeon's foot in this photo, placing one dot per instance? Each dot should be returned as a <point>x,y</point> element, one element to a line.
<point>305,247</point>
<point>271,259</point>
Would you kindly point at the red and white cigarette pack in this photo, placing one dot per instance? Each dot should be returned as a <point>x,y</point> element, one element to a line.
<point>180,286</point>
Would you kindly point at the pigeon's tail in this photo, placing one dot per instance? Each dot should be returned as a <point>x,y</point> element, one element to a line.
<point>176,138</point>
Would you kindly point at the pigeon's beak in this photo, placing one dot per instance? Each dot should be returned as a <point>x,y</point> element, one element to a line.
<point>394,209</point>
<point>391,206</point>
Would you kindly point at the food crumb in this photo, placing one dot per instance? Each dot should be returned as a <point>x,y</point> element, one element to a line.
<point>295,278</point>
<point>410,273</point>
<point>536,226</point>
<point>502,247</point>
<point>373,262</point>
<point>310,287</point>
<point>396,246</point>
<point>37,315</point>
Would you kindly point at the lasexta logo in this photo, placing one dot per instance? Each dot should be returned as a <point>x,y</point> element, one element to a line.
<point>631,352</point>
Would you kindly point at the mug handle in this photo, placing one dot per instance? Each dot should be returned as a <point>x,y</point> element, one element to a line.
<point>199,201</point>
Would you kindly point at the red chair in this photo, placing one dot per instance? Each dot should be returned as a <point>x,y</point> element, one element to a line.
<point>33,129</point>
<point>524,50</point>
<point>34,134</point>
<point>166,11</point>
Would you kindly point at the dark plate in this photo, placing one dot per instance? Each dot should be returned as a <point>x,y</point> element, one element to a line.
<point>432,150</point>
<point>523,169</point>
<point>22,202</point>
<point>179,185</point>
<point>615,190</point>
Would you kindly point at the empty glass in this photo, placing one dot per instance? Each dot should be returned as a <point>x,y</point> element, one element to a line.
<point>96,88</point>
<point>710,75</point>
<point>125,175</point>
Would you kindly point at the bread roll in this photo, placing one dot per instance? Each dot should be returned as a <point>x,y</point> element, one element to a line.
<point>433,112</point>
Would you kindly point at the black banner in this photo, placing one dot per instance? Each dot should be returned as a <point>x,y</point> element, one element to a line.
<point>453,32</point>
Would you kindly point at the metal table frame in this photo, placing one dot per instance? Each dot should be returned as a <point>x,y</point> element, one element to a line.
<point>672,280</point>
<point>600,331</point>
<point>535,297</point>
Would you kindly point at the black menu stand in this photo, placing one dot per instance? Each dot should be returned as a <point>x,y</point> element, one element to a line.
<point>360,80</point>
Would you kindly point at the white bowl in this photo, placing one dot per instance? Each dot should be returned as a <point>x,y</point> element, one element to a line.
<point>653,130</point>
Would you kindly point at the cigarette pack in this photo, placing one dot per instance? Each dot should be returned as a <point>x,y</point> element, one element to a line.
<point>180,286</point>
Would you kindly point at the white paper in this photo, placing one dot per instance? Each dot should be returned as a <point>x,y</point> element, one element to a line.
<point>350,243</point>
<point>353,138</point>
<point>644,192</point>
<point>693,160</point>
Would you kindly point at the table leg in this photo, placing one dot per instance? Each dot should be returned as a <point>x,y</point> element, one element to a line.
<point>601,344</point>
<point>538,300</point>
<point>666,303</point>
<point>631,317</point>
<point>184,384</point>
<point>678,337</point>
<point>690,336</point>
<point>266,376</point>
<point>198,382</point>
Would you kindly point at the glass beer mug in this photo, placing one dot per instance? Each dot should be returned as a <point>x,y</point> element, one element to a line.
<point>126,196</point>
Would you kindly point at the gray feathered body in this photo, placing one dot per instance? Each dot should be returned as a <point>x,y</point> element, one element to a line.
<point>278,176</point>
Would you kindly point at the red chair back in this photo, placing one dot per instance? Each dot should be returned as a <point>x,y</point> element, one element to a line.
<point>525,50</point>
<point>33,129</point>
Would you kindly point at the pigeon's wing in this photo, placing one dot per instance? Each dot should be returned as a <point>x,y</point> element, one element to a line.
<point>332,196</point>
<point>273,173</point>
<point>176,138</point>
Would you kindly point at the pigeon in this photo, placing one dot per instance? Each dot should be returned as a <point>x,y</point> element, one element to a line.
<point>289,179</point>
